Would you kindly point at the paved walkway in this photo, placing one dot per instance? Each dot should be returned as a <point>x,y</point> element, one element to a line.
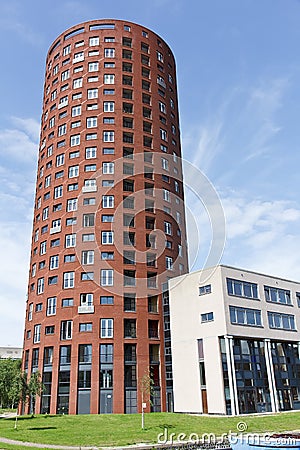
<point>46,446</point>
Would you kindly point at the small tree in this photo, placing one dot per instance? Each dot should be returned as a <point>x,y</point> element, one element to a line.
<point>146,388</point>
<point>10,371</point>
<point>35,388</point>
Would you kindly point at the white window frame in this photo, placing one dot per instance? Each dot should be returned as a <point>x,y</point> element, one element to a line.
<point>70,240</point>
<point>51,306</point>
<point>69,280</point>
<point>54,262</point>
<point>87,257</point>
<point>107,328</point>
<point>108,201</point>
<point>108,167</point>
<point>107,237</point>
<point>107,277</point>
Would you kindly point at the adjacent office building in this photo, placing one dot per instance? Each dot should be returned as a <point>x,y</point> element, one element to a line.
<point>109,222</point>
<point>235,342</point>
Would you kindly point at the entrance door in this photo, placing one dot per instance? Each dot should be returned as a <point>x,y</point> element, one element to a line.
<point>106,402</point>
<point>284,397</point>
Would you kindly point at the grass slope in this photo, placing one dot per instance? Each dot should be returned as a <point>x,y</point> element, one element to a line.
<point>119,430</point>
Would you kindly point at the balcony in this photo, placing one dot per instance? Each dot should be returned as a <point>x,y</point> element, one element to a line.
<point>62,104</point>
<point>89,189</point>
<point>86,309</point>
<point>54,230</point>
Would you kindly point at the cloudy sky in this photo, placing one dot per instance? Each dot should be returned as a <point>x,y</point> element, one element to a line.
<point>238,72</point>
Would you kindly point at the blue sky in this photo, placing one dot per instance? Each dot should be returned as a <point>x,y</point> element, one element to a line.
<point>238,73</point>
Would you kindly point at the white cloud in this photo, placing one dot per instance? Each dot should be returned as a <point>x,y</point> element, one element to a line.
<point>18,150</point>
<point>263,235</point>
<point>260,235</point>
<point>203,143</point>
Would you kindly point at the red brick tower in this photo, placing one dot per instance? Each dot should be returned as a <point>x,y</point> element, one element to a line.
<point>109,222</point>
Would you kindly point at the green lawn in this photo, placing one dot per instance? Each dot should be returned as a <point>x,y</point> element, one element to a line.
<point>109,430</point>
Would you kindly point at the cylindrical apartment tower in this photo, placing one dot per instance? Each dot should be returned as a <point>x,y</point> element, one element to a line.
<point>109,223</point>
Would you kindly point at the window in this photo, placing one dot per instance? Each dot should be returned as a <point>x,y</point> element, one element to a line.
<point>245,316</point>
<point>107,237</point>
<point>65,75</point>
<point>43,247</point>
<point>129,302</point>
<point>87,257</point>
<point>94,41</point>
<point>107,201</point>
<point>75,140</point>
<point>69,280</point>
<point>66,50</point>
<point>58,192</point>
<point>207,317</point>
<point>107,218</point>
<point>163,134</point>
<point>107,255</point>
<point>90,152</point>
<point>276,295</point>
<point>93,66</point>
<point>91,136</point>
<point>92,93</point>
<point>45,213</point>
<point>73,171</point>
<point>67,302</point>
<point>72,204</point>
<point>89,201</point>
<point>76,110</point>
<point>86,276</point>
<point>30,311</point>
<point>85,327</point>
<point>168,228</point>
<point>242,288</point>
<point>49,329</point>
<point>106,300</point>
<point>77,83</point>
<point>71,221</point>
<point>90,168</point>
<point>281,321</point>
<point>40,285</point>
<point>91,122</point>
<point>37,334</point>
<point>51,306</point>
<point>106,328</point>
<point>160,56</point>
<point>69,258</point>
<point>54,262</point>
<point>88,220</point>
<point>108,91</point>
<point>66,330</point>
<point>38,307</point>
<point>108,151</point>
<point>109,52</point>
<point>205,289</point>
<point>108,167</point>
<point>108,183</point>
<point>107,277</point>
<point>166,195</point>
<point>108,106</point>
<point>169,263</point>
<point>109,79</point>
<point>86,300</point>
<point>129,328</point>
<point>92,106</point>
<point>108,136</point>
<point>72,187</point>
<point>75,125</point>
<point>162,107</point>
